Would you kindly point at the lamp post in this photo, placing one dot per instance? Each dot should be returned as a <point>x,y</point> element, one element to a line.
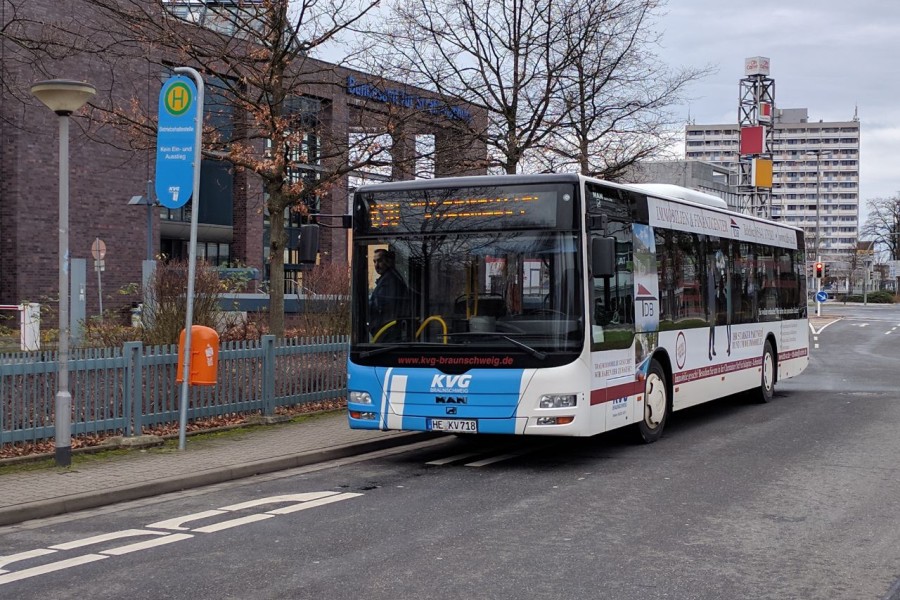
<point>63,97</point>
<point>818,154</point>
<point>149,203</point>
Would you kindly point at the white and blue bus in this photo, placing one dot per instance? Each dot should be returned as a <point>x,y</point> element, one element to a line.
<point>563,305</point>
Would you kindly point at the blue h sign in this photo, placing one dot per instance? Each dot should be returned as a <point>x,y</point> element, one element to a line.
<point>175,141</point>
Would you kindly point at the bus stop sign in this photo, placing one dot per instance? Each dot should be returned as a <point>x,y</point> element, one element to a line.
<point>175,141</point>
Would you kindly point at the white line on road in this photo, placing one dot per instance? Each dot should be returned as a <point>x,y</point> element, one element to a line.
<point>55,566</point>
<point>106,537</point>
<point>312,504</point>
<point>494,459</point>
<point>454,458</point>
<point>298,502</point>
<point>178,522</point>
<point>276,499</point>
<point>175,537</point>
<point>5,560</point>
<point>232,523</point>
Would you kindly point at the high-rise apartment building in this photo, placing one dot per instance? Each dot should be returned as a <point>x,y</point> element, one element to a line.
<point>816,176</point>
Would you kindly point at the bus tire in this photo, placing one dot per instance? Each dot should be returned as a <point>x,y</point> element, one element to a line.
<point>656,404</point>
<point>768,374</point>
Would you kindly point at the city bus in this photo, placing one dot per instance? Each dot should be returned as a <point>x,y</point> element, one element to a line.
<point>562,305</point>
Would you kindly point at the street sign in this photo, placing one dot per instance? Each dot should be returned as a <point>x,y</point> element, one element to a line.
<point>98,249</point>
<point>176,150</point>
<point>821,296</point>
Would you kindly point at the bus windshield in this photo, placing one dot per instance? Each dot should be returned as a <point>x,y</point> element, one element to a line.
<point>463,292</point>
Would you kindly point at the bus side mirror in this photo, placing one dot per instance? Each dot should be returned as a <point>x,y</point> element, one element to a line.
<point>308,243</point>
<point>603,256</point>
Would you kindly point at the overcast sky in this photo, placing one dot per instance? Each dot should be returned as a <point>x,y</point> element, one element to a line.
<point>829,56</point>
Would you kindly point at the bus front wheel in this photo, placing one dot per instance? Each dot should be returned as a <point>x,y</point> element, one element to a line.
<point>656,404</point>
<point>768,373</point>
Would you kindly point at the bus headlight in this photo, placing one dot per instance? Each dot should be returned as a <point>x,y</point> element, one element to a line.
<point>557,401</point>
<point>554,420</point>
<point>359,398</point>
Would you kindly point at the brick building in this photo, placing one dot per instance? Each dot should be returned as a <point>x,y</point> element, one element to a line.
<point>105,173</point>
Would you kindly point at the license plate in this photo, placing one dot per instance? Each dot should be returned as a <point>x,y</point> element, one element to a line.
<point>455,425</point>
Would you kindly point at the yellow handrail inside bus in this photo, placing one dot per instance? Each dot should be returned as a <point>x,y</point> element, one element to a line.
<point>383,329</point>
<point>472,290</point>
<point>429,320</point>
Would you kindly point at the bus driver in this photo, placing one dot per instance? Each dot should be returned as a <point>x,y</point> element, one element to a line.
<point>390,298</point>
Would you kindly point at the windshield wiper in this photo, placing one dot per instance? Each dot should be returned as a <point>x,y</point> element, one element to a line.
<point>532,351</point>
<point>391,347</point>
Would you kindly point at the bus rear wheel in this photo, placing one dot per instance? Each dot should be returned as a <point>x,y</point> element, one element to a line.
<point>768,374</point>
<point>656,404</point>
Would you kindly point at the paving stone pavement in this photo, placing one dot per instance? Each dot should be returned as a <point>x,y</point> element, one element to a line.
<point>109,479</point>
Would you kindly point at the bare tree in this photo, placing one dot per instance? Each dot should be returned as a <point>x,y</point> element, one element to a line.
<point>255,58</point>
<point>566,84</point>
<point>615,91</point>
<point>883,225</point>
<point>500,55</point>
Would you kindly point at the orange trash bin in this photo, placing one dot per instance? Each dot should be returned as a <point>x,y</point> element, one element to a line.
<point>204,364</point>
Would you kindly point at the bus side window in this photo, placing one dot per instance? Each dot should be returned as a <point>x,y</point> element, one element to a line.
<point>612,317</point>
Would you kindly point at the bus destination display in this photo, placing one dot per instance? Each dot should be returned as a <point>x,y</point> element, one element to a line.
<point>445,210</point>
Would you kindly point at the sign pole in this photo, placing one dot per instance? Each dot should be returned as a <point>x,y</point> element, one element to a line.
<point>192,260</point>
<point>178,158</point>
<point>98,250</point>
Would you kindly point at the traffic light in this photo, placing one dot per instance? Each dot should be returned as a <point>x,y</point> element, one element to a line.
<point>827,274</point>
<point>820,270</point>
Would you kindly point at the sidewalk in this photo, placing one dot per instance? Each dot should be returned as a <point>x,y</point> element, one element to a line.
<point>33,494</point>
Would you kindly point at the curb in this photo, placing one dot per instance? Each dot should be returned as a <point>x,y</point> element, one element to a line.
<point>66,504</point>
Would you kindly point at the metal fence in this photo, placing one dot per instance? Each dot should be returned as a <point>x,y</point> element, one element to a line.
<point>123,391</point>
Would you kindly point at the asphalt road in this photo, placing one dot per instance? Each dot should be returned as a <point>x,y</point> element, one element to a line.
<point>798,498</point>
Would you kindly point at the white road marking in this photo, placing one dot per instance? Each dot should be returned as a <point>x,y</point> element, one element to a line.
<point>863,324</point>
<point>493,459</point>
<point>177,522</point>
<point>50,568</point>
<point>106,537</point>
<point>5,560</point>
<point>298,502</point>
<point>276,499</point>
<point>162,541</point>
<point>232,523</point>
<point>454,458</point>
<point>312,504</point>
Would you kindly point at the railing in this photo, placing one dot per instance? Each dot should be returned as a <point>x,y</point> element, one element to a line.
<point>122,391</point>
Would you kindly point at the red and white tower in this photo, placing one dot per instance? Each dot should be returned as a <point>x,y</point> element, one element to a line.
<point>756,119</point>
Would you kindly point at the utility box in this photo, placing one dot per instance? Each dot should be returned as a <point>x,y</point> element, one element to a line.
<point>204,364</point>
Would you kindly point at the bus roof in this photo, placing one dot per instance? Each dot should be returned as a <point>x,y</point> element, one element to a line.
<point>470,181</point>
<point>659,190</point>
<point>682,193</point>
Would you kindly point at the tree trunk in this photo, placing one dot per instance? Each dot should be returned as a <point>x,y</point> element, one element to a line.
<point>276,265</point>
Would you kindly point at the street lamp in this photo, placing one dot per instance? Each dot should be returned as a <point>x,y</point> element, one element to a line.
<point>818,154</point>
<point>63,97</point>
<point>149,203</point>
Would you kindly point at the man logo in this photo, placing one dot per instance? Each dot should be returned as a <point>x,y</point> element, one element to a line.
<point>178,99</point>
<point>450,400</point>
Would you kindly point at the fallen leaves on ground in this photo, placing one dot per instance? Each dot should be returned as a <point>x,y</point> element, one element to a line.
<point>170,429</point>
